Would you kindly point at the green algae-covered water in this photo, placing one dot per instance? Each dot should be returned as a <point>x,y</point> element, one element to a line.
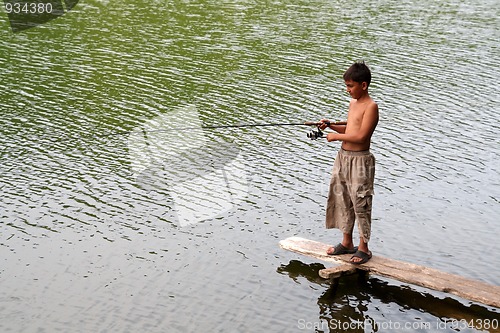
<point>120,211</point>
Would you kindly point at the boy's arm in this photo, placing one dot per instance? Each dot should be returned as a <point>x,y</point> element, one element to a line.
<point>368,124</point>
<point>337,127</point>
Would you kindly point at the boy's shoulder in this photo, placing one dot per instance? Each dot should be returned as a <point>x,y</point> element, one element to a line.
<point>370,100</point>
<point>372,110</point>
<point>368,104</point>
<point>372,105</point>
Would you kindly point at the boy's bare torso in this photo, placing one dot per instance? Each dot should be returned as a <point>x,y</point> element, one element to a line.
<point>356,116</point>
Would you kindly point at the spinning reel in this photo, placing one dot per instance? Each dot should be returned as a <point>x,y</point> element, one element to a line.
<point>318,133</point>
<point>315,134</point>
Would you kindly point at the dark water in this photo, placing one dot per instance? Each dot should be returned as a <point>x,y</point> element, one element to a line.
<point>121,212</point>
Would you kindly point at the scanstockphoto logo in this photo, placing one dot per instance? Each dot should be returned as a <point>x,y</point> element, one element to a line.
<point>25,14</point>
<point>200,178</point>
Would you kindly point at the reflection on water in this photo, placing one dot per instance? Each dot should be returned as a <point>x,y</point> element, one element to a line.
<point>346,305</point>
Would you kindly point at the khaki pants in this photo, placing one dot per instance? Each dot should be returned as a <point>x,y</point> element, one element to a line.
<point>351,192</point>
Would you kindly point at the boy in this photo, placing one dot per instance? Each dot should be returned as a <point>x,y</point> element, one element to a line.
<point>351,185</point>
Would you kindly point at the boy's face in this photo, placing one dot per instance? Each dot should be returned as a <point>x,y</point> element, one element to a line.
<point>355,89</point>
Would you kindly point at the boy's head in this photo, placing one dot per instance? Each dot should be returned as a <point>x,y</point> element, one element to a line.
<point>358,72</point>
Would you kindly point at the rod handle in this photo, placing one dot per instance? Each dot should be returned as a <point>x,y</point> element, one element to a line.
<point>312,123</point>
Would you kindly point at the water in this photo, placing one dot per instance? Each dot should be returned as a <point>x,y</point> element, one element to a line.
<point>120,213</point>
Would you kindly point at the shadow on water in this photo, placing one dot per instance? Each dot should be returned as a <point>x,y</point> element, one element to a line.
<point>347,300</point>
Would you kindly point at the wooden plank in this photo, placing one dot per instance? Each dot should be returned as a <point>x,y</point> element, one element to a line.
<point>406,272</point>
<point>338,271</point>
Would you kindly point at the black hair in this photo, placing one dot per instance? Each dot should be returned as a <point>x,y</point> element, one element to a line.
<point>358,72</point>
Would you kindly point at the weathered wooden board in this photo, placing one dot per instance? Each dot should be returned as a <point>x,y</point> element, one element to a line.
<point>406,272</point>
<point>338,271</point>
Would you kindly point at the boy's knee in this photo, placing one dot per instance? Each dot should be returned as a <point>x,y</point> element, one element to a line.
<point>363,211</point>
<point>363,205</point>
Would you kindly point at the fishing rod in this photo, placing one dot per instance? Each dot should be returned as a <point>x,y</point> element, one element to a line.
<point>307,123</point>
<point>313,134</point>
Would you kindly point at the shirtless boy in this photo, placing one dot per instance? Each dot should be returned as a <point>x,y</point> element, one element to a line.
<point>351,185</point>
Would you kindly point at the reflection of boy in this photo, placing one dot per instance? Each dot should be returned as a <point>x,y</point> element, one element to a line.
<point>351,185</point>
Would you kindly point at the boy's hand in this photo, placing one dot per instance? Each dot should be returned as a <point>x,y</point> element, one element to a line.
<point>324,124</point>
<point>331,137</point>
